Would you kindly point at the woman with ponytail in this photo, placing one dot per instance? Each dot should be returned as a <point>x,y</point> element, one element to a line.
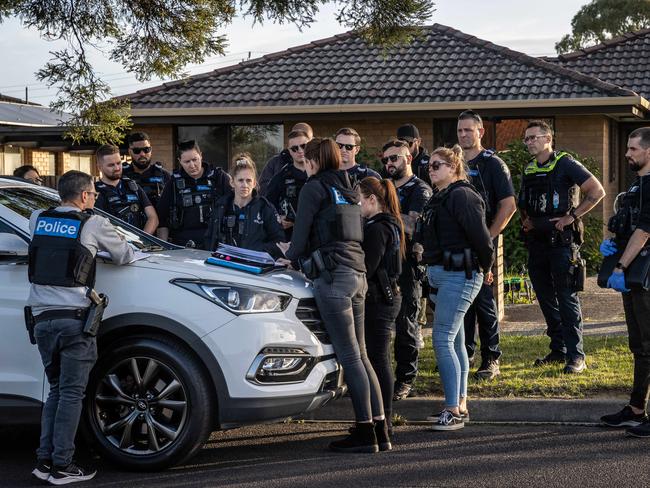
<point>385,248</point>
<point>326,245</point>
<point>457,250</point>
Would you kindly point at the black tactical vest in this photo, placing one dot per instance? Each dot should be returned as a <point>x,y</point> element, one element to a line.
<point>626,219</point>
<point>56,255</point>
<point>339,221</point>
<point>123,201</point>
<point>152,181</point>
<point>193,199</point>
<point>542,196</point>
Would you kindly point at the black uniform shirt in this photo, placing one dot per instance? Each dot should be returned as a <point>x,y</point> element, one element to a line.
<point>358,173</point>
<point>119,192</point>
<point>491,178</point>
<point>152,180</point>
<point>420,165</point>
<point>644,193</point>
<point>413,196</point>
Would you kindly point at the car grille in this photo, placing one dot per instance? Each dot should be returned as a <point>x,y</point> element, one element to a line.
<point>309,315</point>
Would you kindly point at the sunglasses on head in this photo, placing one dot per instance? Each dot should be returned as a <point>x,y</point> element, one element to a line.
<point>138,150</point>
<point>300,147</point>
<point>435,165</point>
<point>347,147</point>
<point>392,158</point>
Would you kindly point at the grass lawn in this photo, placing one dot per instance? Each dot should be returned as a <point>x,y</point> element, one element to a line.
<point>609,364</point>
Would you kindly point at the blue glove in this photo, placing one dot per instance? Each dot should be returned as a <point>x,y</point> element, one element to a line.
<point>608,248</point>
<point>617,281</point>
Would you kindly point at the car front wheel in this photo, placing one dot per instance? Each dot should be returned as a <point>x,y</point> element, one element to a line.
<point>148,404</point>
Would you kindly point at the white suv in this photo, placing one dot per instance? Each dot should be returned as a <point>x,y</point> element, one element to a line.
<point>185,347</point>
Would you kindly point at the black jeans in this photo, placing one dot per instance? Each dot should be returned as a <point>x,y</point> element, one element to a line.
<point>549,273</point>
<point>637,316</point>
<point>406,325</point>
<point>341,306</point>
<point>484,311</point>
<point>379,322</point>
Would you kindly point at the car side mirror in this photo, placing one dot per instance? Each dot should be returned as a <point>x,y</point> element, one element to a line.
<point>12,246</point>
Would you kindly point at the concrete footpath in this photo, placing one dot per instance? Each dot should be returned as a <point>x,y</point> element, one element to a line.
<point>514,410</point>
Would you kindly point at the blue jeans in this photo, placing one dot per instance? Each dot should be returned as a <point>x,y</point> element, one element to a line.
<point>68,356</point>
<point>341,306</point>
<point>455,294</point>
<point>548,268</point>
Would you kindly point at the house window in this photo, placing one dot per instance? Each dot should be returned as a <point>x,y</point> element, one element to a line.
<point>10,159</point>
<point>80,162</point>
<point>219,143</point>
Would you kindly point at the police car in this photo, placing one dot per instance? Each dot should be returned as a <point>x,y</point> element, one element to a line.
<point>185,347</point>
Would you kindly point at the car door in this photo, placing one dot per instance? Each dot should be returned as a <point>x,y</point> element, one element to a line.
<point>21,369</point>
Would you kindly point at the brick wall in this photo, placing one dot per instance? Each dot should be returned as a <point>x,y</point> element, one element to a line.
<point>588,136</point>
<point>162,142</point>
<point>41,160</point>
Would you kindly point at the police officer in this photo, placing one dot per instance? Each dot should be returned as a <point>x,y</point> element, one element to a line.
<point>121,196</point>
<point>277,162</point>
<point>327,245</point>
<point>186,203</point>
<point>65,241</point>
<point>550,213</point>
<point>285,186</point>
<point>349,143</point>
<point>151,177</point>
<point>631,226</point>
<point>419,155</point>
<point>413,194</point>
<point>491,178</point>
<point>384,248</point>
<point>244,218</point>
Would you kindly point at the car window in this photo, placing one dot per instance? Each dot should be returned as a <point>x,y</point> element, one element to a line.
<point>25,200</point>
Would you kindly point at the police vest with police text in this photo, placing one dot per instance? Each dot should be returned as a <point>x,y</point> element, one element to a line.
<point>56,255</point>
<point>339,221</point>
<point>123,203</point>
<point>541,195</point>
<point>193,198</point>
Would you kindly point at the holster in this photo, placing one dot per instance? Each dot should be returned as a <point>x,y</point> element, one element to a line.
<point>459,261</point>
<point>577,272</point>
<point>30,323</point>
<point>99,302</point>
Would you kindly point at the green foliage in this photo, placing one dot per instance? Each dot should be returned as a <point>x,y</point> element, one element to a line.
<point>600,20</point>
<point>515,255</point>
<point>158,38</point>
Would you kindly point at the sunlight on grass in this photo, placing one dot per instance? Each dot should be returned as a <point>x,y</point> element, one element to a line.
<point>609,364</point>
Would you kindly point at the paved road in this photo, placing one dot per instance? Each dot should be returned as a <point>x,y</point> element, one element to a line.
<point>295,455</point>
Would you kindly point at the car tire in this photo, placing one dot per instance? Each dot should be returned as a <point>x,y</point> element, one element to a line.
<point>149,404</point>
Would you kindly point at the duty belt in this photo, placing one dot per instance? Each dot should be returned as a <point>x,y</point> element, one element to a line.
<point>77,314</point>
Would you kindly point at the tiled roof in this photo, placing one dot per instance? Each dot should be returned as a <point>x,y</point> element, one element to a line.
<point>21,114</point>
<point>443,65</point>
<point>623,61</point>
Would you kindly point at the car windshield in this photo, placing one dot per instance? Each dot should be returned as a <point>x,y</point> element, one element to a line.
<point>25,200</point>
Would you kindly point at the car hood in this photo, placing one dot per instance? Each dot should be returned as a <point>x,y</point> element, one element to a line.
<point>192,262</point>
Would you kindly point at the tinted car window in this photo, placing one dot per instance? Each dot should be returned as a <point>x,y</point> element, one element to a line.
<point>25,200</point>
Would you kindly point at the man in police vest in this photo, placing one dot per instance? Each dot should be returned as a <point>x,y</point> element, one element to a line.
<point>121,196</point>
<point>550,213</point>
<point>151,177</point>
<point>274,165</point>
<point>349,142</point>
<point>413,194</point>
<point>491,178</point>
<point>631,226</point>
<point>65,241</point>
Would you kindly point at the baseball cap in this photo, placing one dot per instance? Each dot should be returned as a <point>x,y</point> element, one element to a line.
<point>408,132</point>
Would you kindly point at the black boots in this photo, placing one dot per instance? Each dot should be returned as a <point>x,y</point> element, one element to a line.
<point>383,438</point>
<point>362,438</point>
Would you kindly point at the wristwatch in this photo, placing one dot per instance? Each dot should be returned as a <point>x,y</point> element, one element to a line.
<point>572,213</point>
<point>620,266</point>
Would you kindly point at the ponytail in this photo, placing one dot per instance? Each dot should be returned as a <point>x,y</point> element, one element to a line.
<point>453,156</point>
<point>385,193</point>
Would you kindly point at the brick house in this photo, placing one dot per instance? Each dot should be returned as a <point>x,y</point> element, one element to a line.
<point>341,81</point>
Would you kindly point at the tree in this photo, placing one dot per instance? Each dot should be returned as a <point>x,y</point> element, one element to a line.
<point>600,20</point>
<point>160,37</point>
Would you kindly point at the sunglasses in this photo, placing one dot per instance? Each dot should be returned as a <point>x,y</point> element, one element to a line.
<point>392,158</point>
<point>435,165</point>
<point>532,138</point>
<point>347,147</point>
<point>300,147</point>
<point>138,150</point>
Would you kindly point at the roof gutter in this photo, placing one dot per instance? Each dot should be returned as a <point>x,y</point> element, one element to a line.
<point>633,101</point>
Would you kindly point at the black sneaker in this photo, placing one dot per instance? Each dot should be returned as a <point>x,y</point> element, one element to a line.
<point>552,357</point>
<point>624,418</point>
<point>489,370</point>
<point>436,415</point>
<point>42,469</point>
<point>448,421</point>
<point>402,391</point>
<point>63,475</point>
<point>642,430</point>
<point>575,366</point>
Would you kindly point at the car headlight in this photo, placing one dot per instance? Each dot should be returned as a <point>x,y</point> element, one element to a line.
<point>237,299</point>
